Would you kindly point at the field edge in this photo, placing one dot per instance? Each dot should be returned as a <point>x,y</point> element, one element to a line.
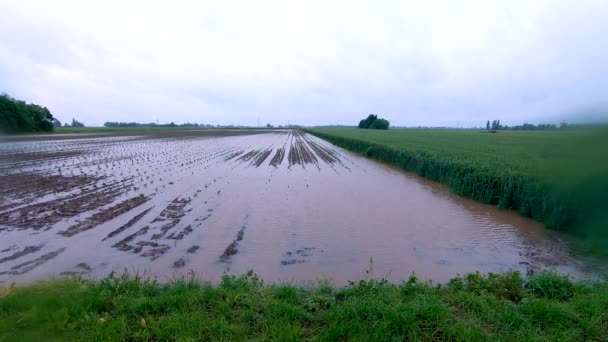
<point>471,307</point>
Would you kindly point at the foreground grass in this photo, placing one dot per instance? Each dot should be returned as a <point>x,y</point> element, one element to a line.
<point>559,178</point>
<point>545,306</point>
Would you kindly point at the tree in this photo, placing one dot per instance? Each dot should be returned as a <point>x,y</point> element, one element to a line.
<point>488,125</point>
<point>19,116</point>
<point>268,125</point>
<point>372,122</point>
<point>367,123</point>
<point>76,123</point>
<point>379,124</point>
<point>495,125</point>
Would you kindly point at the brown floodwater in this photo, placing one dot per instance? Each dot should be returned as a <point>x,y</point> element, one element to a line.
<point>287,205</point>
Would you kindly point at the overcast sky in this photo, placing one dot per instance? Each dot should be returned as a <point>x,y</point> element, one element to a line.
<point>439,63</point>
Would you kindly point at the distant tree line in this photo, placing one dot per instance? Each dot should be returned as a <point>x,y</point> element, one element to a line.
<point>17,116</point>
<point>150,125</point>
<point>373,122</point>
<point>113,124</point>
<point>495,126</point>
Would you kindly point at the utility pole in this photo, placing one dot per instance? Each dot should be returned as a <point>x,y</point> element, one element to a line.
<point>258,120</point>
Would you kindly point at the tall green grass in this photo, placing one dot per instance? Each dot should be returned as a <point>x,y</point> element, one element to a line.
<point>559,178</point>
<point>506,307</point>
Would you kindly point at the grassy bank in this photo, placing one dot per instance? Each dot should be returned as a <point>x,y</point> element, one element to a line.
<point>473,307</point>
<point>559,178</point>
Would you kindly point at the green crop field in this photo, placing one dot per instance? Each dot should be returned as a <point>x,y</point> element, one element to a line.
<point>557,177</point>
<point>545,306</point>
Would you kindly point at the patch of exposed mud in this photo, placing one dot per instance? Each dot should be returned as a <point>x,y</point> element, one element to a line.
<point>232,247</point>
<point>38,156</point>
<point>105,215</point>
<point>22,188</point>
<point>154,252</point>
<point>249,155</point>
<point>325,154</point>
<point>45,214</point>
<point>299,152</point>
<point>233,155</point>
<point>172,214</point>
<point>542,254</point>
<point>81,268</point>
<point>166,221</point>
<point>277,159</point>
<point>123,245</point>
<point>193,249</point>
<point>30,265</point>
<point>181,262</point>
<point>299,256</point>
<point>181,234</point>
<point>260,158</point>
<point>26,250</point>
<point>128,225</point>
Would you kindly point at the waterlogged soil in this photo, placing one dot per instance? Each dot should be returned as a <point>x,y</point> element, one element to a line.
<point>285,204</point>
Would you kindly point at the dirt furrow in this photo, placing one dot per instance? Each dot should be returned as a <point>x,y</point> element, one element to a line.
<point>104,215</point>
<point>262,157</point>
<point>30,265</point>
<point>27,250</point>
<point>128,224</point>
<point>232,247</point>
<point>277,159</point>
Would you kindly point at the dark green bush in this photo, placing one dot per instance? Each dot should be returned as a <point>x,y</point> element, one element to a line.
<point>373,122</point>
<point>18,116</point>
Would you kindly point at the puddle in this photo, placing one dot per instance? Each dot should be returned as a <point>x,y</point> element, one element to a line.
<point>287,205</point>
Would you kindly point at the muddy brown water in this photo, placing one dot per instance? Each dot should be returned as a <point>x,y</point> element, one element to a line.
<point>285,204</point>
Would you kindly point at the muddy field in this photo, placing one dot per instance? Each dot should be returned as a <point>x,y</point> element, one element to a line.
<point>285,204</point>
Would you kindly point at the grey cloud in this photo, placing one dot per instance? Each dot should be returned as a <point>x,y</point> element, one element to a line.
<point>309,64</point>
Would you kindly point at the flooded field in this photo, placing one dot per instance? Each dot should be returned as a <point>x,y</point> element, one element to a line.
<point>285,204</point>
